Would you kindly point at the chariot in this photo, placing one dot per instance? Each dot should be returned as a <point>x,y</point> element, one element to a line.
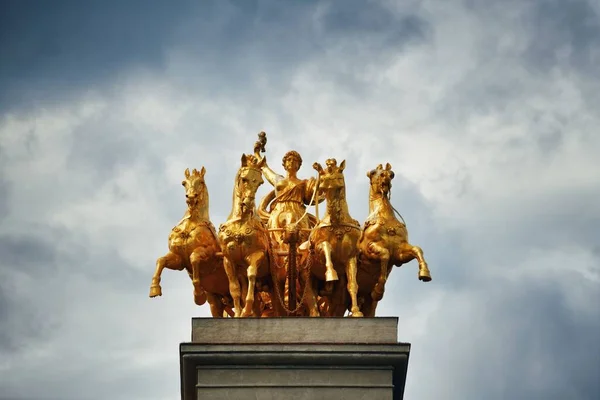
<point>276,258</point>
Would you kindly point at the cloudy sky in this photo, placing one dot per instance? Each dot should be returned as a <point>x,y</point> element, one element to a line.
<point>488,111</point>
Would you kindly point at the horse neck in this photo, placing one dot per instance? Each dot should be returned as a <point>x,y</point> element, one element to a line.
<point>337,207</point>
<point>379,204</point>
<point>199,212</point>
<point>237,214</point>
<point>236,204</point>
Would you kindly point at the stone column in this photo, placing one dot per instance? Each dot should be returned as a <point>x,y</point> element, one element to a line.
<point>293,359</point>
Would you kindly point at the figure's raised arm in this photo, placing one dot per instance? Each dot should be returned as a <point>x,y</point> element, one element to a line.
<point>271,176</point>
<point>259,147</point>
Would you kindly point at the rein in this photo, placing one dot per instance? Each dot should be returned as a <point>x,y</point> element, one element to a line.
<point>311,201</point>
<point>389,197</point>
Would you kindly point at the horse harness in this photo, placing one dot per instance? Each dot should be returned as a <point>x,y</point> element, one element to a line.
<point>239,235</point>
<point>186,234</point>
<point>339,230</point>
<point>390,230</point>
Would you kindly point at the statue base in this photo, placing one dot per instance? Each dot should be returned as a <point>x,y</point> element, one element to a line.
<point>294,358</point>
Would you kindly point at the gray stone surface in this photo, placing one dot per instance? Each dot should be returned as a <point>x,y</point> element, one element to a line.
<point>296,393</point>
<point>290,360</point>
<point>275,382</point>
<point>295,330</point>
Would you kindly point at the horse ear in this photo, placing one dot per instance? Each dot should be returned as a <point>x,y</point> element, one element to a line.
<point>343,165</point>
<point>380,166</point>
<point>318,167</point>
<point>202,171</point>
<point>244,160</point>
<point>187,172</point>
<point>388,167</point>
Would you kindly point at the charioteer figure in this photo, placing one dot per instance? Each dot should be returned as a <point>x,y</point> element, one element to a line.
<point>284,211</point>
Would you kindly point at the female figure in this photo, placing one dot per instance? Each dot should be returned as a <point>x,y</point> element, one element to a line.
<point>289,199</point>
<point>288,222</point>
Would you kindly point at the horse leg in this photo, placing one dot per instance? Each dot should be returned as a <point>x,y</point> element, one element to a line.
<point>216,305</point>
<point>234,286</point>
<point>368,307</point>
<point>323,305</point>
<point>372,308</point>
<point>228,311</point>
<point>169,261</point>
<point>384,258</point>
<point>351,270</point>
<point>196,258</point>
<point>254,260</point>
<point>257,311</point>
<point>338,301</point>
<point>413,252</point>
<point>244,284</point>
<point>330,273</point>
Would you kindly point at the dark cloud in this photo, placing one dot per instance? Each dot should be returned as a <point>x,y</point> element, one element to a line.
<point>4,196</point>
<point>552,351</point>
<point>373,20</point>
<point>522,338</point>
<point>51,282</point>
<point>243,43</point>
<point>29,254</point>
<point>572,221</point>
<point>550,39</point>
<point>572,26</point>
<point>50,50</point>
<point>24,261</point>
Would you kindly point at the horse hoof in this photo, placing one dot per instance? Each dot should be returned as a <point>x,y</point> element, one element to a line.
<point>246,314</point>
<point>424,276</point>
<point>200,299</point>
<point>356,314</point>
<point>331,275</point>
<point>155,290</point>
<point>376,295</point>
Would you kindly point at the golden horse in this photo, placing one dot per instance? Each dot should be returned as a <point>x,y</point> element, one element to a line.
<point>383,243</point>
<point>245,243</point>
<point>333,241</point>
<point>193,246</point>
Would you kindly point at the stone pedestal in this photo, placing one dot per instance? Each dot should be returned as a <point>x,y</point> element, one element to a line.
<point>294,358</point>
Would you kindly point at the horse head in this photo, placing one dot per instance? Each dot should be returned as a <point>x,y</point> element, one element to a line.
<point>249,179</point>
<point>195,187</point>
<point>381,179</point>
<point>332,177</point>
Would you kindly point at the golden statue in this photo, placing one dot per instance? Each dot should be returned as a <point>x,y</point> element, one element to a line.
<point>193,246</point>
<point>245,242</point>
<point>278,259</point>
<point>384,242</point>
<point>334,240</point>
